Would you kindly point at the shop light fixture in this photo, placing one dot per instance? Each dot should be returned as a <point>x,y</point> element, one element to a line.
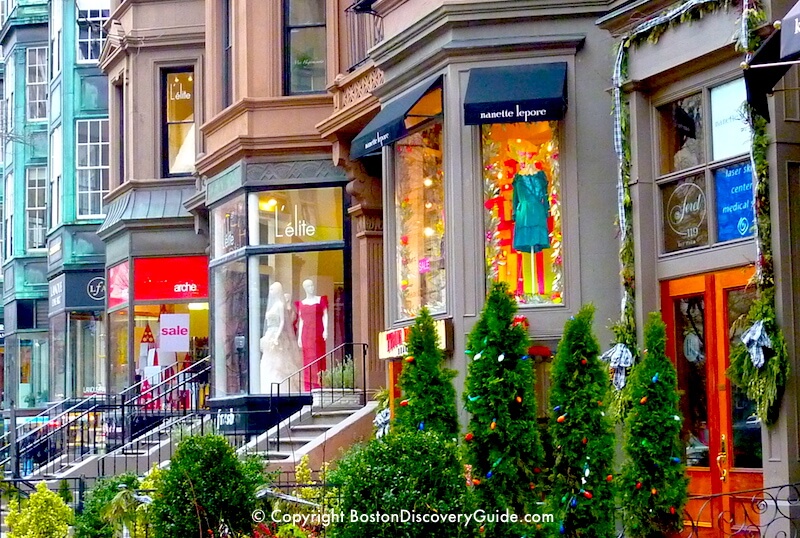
<point>198,306</point>
<point>427,182</point>
<point>267,205</point>
<point>428,231</point>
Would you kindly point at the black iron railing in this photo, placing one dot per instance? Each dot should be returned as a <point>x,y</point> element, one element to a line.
<point>101,424</point>
<point>772,512</point>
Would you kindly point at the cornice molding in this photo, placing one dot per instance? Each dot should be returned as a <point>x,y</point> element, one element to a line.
<point>243,147</point>
<point>247,104</point>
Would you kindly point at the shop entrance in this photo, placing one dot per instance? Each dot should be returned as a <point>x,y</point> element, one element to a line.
<point>721,433</point>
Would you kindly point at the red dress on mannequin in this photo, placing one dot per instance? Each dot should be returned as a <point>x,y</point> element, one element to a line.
<point>313,343</point>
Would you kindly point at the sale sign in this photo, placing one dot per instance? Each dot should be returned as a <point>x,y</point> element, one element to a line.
<point>174,332</point>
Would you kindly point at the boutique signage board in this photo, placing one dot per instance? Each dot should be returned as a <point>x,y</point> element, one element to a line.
<point>394,343</point>
<point>300,216</point>
<point>685,218</point>
<point>83,290</point>
<point>735,212</point>
<point>172,278</point>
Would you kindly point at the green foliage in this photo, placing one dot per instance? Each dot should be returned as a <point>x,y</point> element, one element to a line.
<point>382,397</point>
<point>582,499</point>
<point>503,446</point>
<point>429,398</point>
<point>90,523</point>
<point>653,445</point>
<point>326,497</point>
<point>65,492</point>
<point>414,471</point>
<point>204,486</point>
<point>290,530</point>
<point>765,385</point>
<point>340,376</point>
<point>44,515</point>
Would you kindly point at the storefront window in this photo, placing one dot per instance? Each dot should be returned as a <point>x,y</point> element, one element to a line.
<point>297,216</point>
<point>34,379</point>
<point>58,356</point>
<point>118,350</point>
<point>705,201</point>
<point>230,329</point>
<point>301,300</point>
<point>230,226</point>
<point>86,337</point>
<point>523,221</point>
<point>420,233</point>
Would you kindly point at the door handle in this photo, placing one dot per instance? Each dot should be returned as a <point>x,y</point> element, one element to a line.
<point>722,459</point>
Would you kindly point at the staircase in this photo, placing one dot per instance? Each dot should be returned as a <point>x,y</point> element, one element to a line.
<point>320,433</point>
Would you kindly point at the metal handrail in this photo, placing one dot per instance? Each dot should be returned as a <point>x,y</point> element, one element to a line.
<point>172,378</point>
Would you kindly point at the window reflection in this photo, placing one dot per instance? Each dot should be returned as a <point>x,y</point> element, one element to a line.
<point>692,375</point>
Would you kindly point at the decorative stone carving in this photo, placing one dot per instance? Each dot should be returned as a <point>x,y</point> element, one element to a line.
<point>365,189</point>
<point>362,86</point>
<point>278,172</point>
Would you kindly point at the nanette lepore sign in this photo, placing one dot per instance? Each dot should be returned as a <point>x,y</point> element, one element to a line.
<point>174,332</point>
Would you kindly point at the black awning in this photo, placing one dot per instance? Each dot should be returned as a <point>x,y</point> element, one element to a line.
<point>389,125</point>
<point>790,34</point>
<point>519,93</point>
<point>759,81</point>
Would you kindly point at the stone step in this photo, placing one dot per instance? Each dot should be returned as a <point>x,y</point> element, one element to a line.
<point>321,428</point>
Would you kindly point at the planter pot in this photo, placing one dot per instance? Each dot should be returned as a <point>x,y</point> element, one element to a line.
<point>336,397</point>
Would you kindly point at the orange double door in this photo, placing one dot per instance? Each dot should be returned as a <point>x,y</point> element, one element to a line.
<point>721,433</point>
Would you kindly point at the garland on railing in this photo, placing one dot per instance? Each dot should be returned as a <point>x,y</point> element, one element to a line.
<point>759,364</point>
<point>622,356</point>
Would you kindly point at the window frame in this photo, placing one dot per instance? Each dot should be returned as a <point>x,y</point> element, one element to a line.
<point>8,215</point>
<point>164,78</point>
<point>287,51</point>
<point>55,181</point>
<point>394,285</point>
<point>227,53</point>
<point>707,168</point>
<point>90,21</point>
<point>105,141</point>
<point>32,85</point>
<point>37,210</point>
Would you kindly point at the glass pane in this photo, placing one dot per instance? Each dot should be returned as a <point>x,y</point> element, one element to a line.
<point>180,97</point>
<point>685,223</point>
<point>734,200</point>
<point>682,144</point>
<point>420,233</point>
<point>181,148</point>
<point>302,12</point>
<point>691,359</point>
<point>61,373</point>
<point>87,336</point>
<point>746,424</point>
<point>118,349</point>
<point>522,198</point>
<point>301,299</point>
<point>230,329</point>
<point>730,134</point>
<point>307,60</point>
<point>299,216</point>
<point>229,223</point>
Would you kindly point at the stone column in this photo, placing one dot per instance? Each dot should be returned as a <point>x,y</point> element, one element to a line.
<point>366,213</point>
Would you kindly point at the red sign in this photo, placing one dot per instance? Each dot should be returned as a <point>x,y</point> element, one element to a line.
<point>118,284</point>
<point>180,277</point>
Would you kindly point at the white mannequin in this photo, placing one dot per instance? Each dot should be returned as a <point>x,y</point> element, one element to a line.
<point>280,358</point>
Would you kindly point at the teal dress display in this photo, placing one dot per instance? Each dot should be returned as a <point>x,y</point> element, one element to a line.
<point>529,211</point>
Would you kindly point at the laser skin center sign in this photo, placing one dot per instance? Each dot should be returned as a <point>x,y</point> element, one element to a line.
<point>174,332</point>
<point>735,212</point>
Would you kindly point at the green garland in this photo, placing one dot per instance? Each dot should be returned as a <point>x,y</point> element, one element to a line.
<point>765,385</point>
<point>625,328</point>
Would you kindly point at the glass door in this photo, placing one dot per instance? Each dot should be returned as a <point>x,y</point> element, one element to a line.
<point>721,434</point>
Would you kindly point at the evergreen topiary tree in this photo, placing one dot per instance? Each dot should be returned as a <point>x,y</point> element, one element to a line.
<point>429,398</point>
<point>205,488</point>
<point>502,445</point>
<point>653,486</point>
<point>582,497</point>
